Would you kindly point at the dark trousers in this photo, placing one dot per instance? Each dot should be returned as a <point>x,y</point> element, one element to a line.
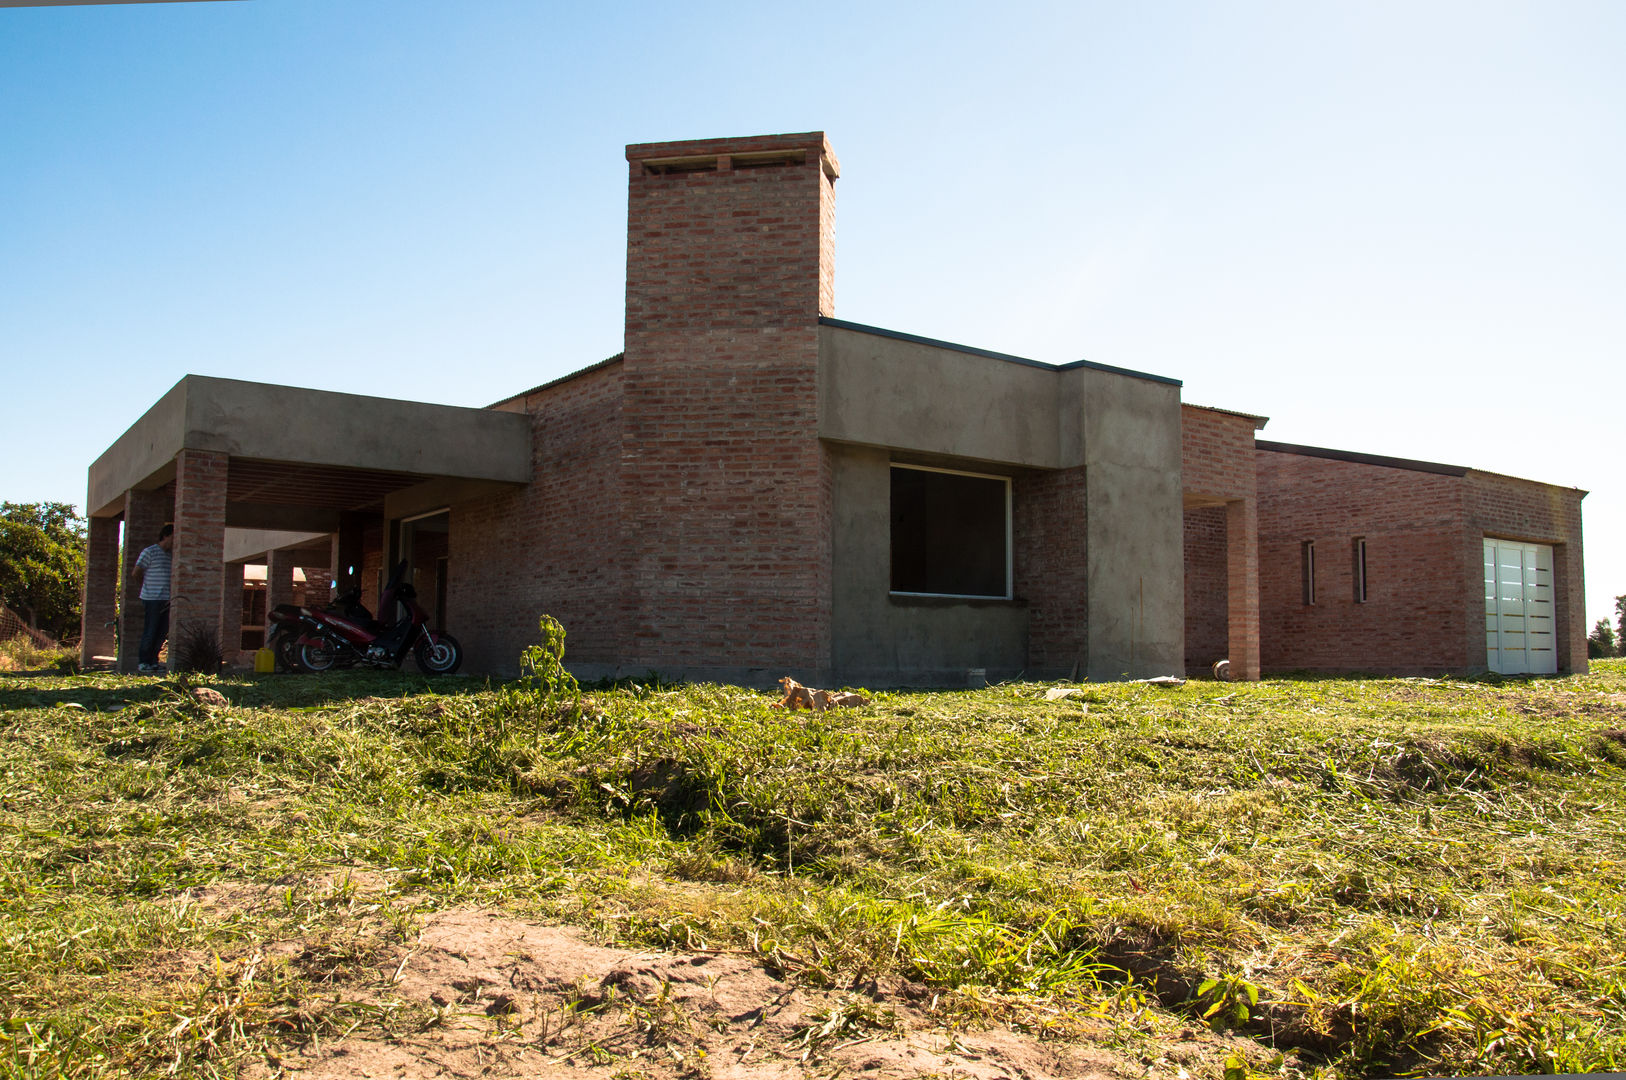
<point>154,630</point>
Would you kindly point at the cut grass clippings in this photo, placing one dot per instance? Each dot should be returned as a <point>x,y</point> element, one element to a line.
<point>1364,877</point>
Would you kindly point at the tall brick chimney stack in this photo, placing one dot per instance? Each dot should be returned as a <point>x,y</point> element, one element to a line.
<point>730,247</point>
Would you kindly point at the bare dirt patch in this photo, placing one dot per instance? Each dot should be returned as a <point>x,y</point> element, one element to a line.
<point>480,994</point>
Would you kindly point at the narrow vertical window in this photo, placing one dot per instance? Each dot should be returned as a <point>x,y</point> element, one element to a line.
<point>1307,558</point>
<point>1358,554</point>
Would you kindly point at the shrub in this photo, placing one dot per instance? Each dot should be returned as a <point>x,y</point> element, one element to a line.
<point>196,647</point>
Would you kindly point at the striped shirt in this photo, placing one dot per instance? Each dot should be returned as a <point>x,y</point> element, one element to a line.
<point>154,561</point>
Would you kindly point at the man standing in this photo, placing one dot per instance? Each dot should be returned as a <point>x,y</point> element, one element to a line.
<point>151,574</point>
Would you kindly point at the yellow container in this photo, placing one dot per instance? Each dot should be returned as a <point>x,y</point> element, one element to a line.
<point>265,661</point>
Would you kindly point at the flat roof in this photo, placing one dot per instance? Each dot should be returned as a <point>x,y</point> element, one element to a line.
<point>1362,459</point>
<point>898,335</point>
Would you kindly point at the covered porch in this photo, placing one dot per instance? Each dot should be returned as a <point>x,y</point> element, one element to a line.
<point>255,473</point>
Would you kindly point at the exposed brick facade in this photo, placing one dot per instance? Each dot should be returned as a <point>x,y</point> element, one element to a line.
<point>1509,508</point>
<point>725,487</point>
<point>101,595</point>
<point>1051,567</point>
<point>554,546</point>
<point>680,514</point>
<point>1221,536</point>
<point>1424,530</point>
<point>196,582</point>
<point>1207,624</point>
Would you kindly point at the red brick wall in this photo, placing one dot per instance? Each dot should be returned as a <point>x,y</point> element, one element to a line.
<point>197,596</point>
<point>1051,568</point>
<point>1514,509</point>
<point>1222,551</point>
<point>553,547</point>
<point>1207,623</point>
<point>100,599</point>
<point>725,486</point>
<point>1216,453</point>
<point>1420,569</point>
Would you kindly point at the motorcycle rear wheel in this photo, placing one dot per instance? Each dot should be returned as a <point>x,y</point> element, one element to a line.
<point>315,655</point>
<point>442,657</point>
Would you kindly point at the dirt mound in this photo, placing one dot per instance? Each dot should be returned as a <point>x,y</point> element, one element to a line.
<point>480,994</point>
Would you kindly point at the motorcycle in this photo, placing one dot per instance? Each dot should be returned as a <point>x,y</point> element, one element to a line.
<point>345,634</point>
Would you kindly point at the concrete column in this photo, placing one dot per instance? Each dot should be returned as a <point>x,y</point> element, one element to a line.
<point>279,583</point>
<point>100,603</point>
<point>1242,586</point>
<point>231,613</point>
<point>200,546</point>
<point>145,512</point>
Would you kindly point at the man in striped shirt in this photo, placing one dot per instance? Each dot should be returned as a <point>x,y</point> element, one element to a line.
<point>151,573</point>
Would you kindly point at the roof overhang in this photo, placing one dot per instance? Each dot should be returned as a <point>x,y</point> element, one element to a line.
<point>311,450</point>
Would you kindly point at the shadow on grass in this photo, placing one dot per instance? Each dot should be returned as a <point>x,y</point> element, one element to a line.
<point>102,693</point>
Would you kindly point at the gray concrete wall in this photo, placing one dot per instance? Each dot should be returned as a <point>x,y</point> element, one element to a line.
<point>286,423</point>
<point>883,391</point>
<point>1135,531</point>
<point>879,639</point>
<point>886,398</point>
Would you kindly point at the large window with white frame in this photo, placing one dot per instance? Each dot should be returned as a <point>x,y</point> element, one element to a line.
<point>951,533</point>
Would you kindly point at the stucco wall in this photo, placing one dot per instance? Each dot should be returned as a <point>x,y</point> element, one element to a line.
<point>1111,597</point>
<point>879,639</point>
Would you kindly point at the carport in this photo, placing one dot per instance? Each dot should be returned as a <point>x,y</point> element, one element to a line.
<point>214,455</point>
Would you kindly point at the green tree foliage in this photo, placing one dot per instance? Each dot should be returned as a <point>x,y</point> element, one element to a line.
<point>1602,641</point>
<point>1620,622</point>
<point>42,564</point>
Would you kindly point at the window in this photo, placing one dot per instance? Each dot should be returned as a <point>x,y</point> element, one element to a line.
<point>1307,559</point>
<point>951,533</point>
<point>1358,554</point>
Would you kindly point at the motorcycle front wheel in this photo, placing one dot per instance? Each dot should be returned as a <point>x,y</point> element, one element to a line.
<point>315,655</point>
<point>443,656</point>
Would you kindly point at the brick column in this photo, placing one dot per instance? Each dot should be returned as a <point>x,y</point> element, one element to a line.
<point>318,586</point>
<point>231,613</point>
<point>100,602</point>
<point>279,583</point>
<point>349,550</point>
<point>200,546</point>
<point>1242,586</point>
<point>145,512</point>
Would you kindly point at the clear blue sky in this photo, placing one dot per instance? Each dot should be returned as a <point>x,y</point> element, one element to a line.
<point>1391,227</point>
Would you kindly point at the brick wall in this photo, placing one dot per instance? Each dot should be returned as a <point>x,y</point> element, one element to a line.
<point>1216,452</point>
<point>197,596</point>
<point>100,599</point>
<point>1052,569</point>
<point>1513,509</point>
<point>553,547</point>
<point>1219,483</point>
<point>1420,570</point>
<point>725,486</point>
<point>1207,625</point>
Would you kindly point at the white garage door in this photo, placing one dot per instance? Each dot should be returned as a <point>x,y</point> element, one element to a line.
<point>1519,625</point>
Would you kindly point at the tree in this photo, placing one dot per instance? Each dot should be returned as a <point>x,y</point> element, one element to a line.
<point>1620,622</point>
<point>1602,641</point>
<point>42,564</point>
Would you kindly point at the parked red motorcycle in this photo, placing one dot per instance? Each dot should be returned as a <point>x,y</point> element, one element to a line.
<point>345,634</point>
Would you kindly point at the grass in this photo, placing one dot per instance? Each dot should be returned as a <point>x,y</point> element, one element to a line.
<point>1364,877</point>
<point>22,653</point>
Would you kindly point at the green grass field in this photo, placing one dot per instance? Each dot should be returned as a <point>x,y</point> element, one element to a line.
<point>1363,878</point>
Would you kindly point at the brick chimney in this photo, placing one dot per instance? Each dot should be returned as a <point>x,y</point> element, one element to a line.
<point>725,484</point>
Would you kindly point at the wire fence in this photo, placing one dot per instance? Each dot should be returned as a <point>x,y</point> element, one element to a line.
<point>12,625</point>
